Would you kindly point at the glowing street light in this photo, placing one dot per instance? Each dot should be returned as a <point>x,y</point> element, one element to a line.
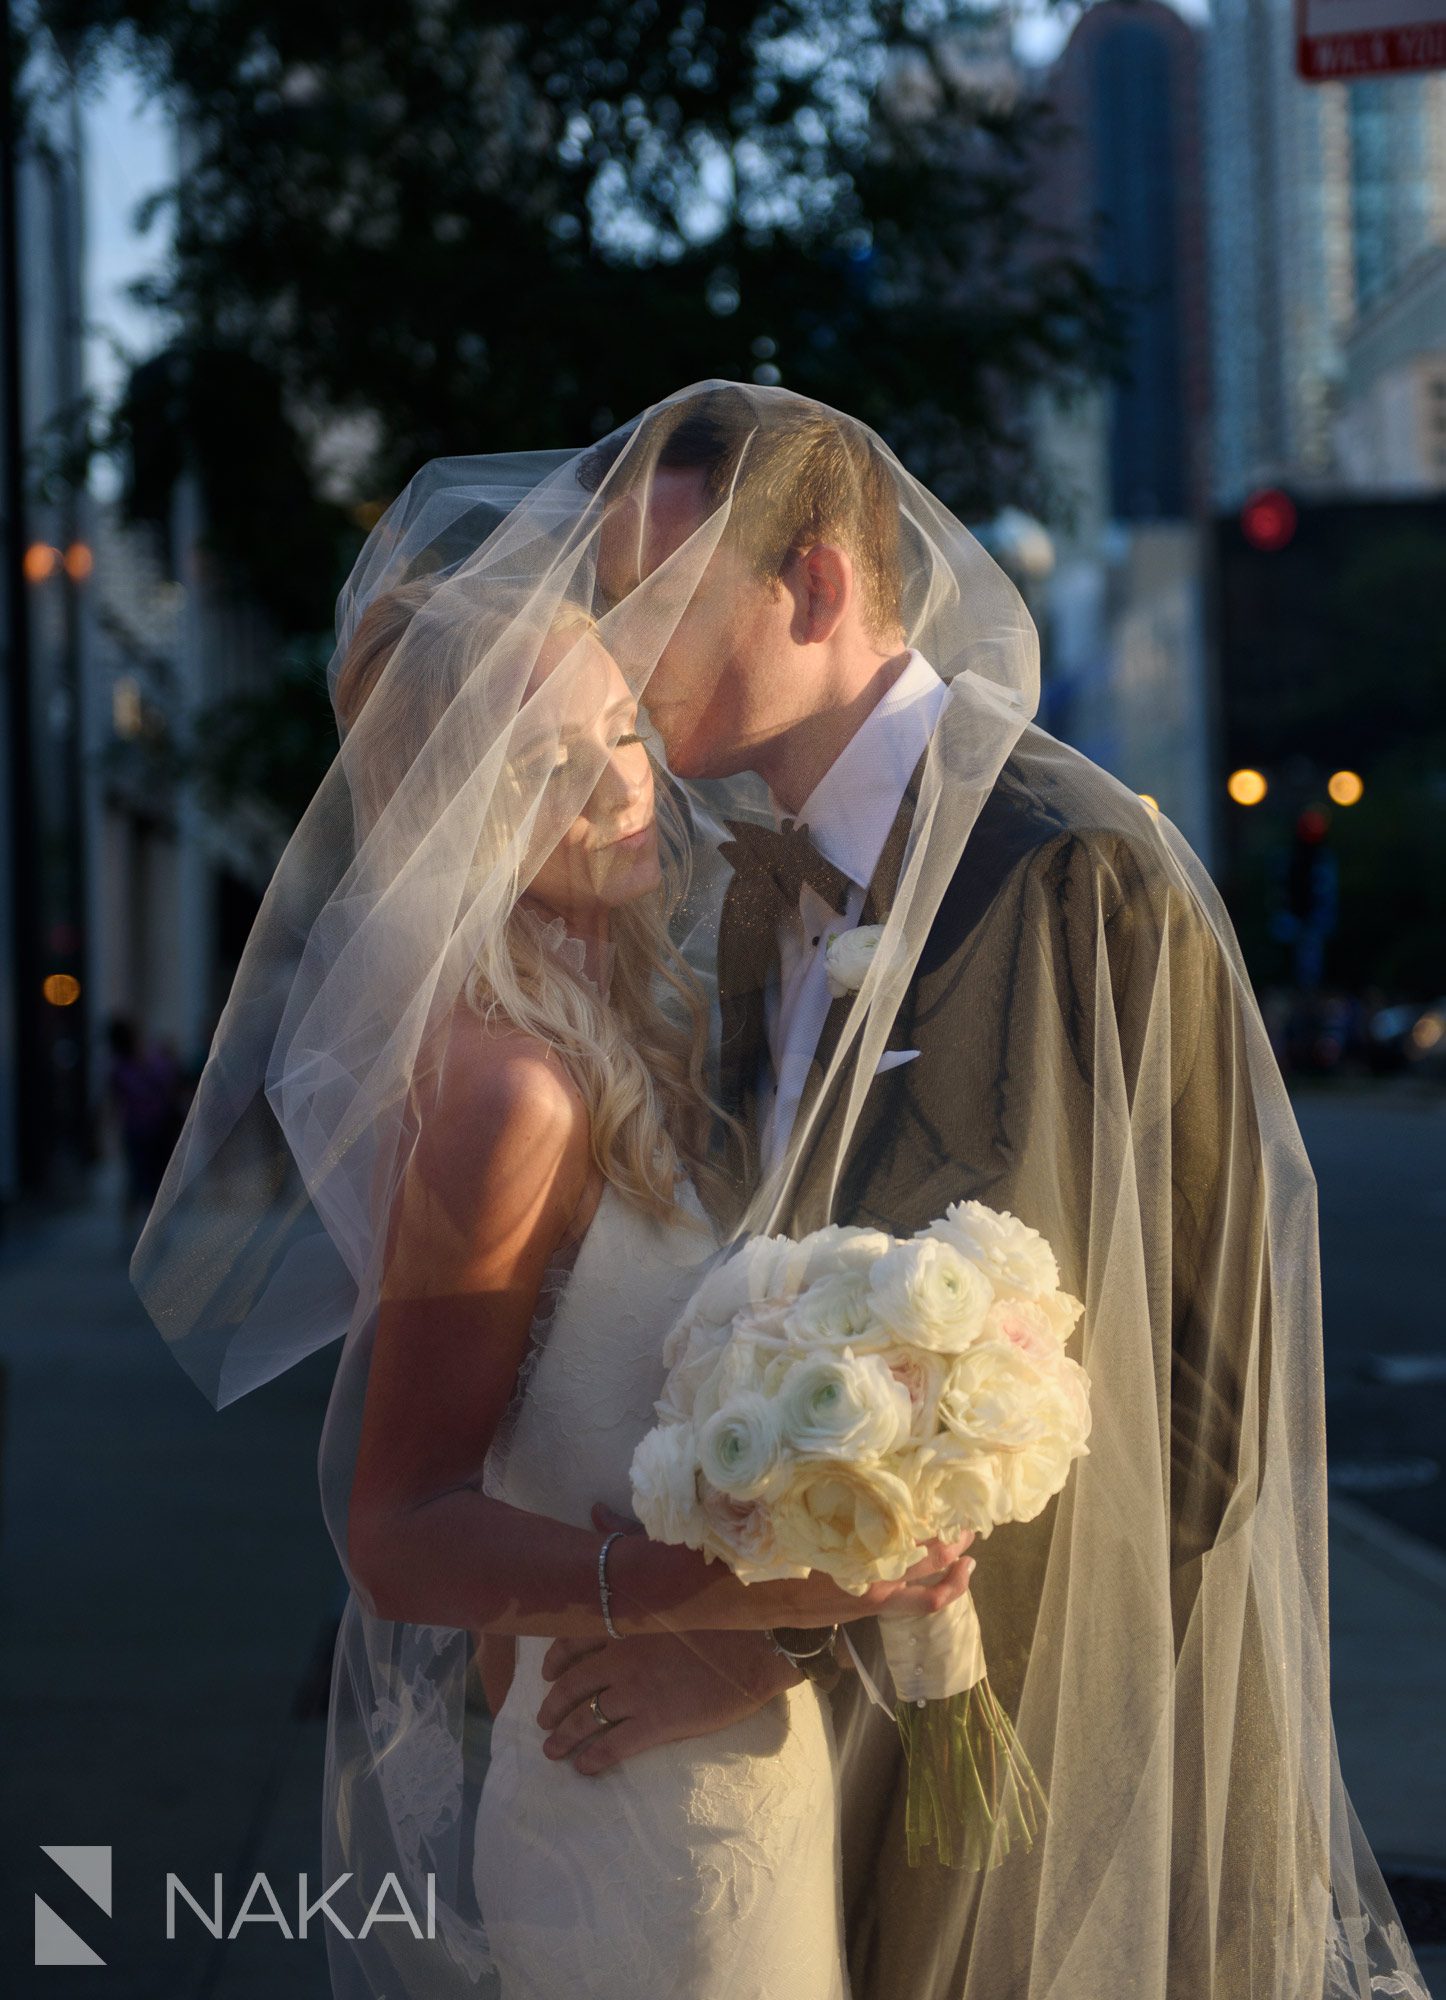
<point>61,989</point>
<point>1149,799</point>
<point>1247,788</point>
<point>1345,788</point>
<point>40,561</point>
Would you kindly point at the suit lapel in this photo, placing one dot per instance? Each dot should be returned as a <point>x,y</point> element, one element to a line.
<point>747,952</point>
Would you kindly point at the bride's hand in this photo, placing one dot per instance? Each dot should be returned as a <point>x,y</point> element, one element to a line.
<point>941,1575</point>
<point>718,1600</point>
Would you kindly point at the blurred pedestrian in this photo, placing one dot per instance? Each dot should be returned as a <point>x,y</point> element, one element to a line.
<point>144,1089</point>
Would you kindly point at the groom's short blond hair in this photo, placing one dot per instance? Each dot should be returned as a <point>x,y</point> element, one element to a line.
<point>797,473</point>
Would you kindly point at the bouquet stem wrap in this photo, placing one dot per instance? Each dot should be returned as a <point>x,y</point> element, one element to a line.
<point>972,1792</point>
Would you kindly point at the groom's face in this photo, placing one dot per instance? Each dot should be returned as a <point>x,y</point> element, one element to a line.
<point>720,685</point>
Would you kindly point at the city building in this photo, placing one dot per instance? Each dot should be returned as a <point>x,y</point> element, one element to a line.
<point>1320,197</point>
<point>1123,611</point>
<point>44,963</point>
<point>1390,426</point>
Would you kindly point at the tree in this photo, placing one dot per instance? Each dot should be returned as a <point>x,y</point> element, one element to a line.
<point>410,228</point>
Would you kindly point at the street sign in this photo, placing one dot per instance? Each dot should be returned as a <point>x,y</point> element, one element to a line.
<point>1340,39</point>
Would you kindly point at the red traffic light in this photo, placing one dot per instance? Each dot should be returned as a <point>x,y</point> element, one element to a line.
<point>1312,826</point>
<point>1268,519</point>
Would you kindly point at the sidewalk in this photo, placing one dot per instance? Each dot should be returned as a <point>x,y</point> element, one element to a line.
<point>1388,1697</point>
<point>166,1587</point>
<point>167,1590</point>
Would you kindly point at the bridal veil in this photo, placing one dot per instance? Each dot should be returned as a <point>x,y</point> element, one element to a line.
<point>1159,1632</point>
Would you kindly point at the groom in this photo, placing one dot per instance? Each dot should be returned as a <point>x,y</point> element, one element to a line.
<point>790,662</point>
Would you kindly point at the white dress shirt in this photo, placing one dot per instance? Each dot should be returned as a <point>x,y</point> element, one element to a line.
<point>848,815</point>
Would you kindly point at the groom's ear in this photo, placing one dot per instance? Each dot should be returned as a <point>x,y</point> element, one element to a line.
<point>823,586</point>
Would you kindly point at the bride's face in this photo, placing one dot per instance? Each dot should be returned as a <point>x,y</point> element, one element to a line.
<point>607,855</point>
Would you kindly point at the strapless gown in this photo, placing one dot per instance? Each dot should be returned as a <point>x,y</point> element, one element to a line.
<point>707,1869</point>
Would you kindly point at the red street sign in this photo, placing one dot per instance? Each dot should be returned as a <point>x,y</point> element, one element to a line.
<point>1340,39</point>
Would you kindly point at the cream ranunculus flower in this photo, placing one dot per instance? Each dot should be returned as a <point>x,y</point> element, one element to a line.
<point>956,1488</point>
<point>857,1522</point>
<point>835,1312</point>
<point>841,1248</point>
<point>1014,1257</point>
<point>665,1485</point>
<point>834,1405</point>
<point>740,1447</point>
<point>692,1362</point>
<point>751,1275</point>
<point>848,957</point>
<point>1032,1477</point>
<point>925,1292</point>
<point>923,1373</point>
<point>996,1397</point>
<point>1027,1325</point>
<point>738,1368</point>
<point>1063,1313</point>
<point>741,1534</point>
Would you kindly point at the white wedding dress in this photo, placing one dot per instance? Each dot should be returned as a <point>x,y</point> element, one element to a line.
<point>707,1869</point>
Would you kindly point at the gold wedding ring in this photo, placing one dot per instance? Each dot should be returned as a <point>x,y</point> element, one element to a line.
<point>597,1711</point>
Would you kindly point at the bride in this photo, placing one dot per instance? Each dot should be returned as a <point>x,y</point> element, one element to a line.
<point>547,1233</point>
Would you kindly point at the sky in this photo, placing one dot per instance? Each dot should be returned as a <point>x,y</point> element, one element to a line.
<point>129,146</point>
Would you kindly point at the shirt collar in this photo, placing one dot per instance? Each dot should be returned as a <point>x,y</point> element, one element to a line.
<point>850,810</point>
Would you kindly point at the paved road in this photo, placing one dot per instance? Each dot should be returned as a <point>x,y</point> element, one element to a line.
<point>1380,1165</point>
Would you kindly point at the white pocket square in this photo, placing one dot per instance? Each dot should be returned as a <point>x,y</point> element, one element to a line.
<point>891,1059</point>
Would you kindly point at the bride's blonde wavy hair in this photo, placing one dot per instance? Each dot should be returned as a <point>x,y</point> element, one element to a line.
<point>637,1056</point>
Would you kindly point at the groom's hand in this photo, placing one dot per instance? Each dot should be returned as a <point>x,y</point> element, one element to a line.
<point>654,1687</point>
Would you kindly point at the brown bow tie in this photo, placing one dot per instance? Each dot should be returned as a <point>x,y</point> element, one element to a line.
<point>779,860</point>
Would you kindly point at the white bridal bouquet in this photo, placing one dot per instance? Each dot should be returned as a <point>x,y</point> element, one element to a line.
<point>835,1402</point>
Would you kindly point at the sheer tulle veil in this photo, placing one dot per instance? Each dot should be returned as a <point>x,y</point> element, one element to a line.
<point>1159,1632</point>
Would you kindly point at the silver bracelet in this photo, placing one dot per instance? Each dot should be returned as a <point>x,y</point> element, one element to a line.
<point>602,1584</point>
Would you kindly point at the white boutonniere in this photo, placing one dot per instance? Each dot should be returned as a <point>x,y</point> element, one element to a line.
<point>849,956</point>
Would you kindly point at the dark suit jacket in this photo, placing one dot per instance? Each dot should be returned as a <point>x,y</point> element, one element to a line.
<point>1066,961</point>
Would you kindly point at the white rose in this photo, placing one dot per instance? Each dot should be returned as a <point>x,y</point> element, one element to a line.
<point>1014,1257</point>
<point>856,1522</point>
<point>740,1447</point>
<point>925,1292</point>
<point>996,1398</point>
<point>664,1477</point>
<point>848,957</point>
<point>834,1312</point>
<point>843,1405</point>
